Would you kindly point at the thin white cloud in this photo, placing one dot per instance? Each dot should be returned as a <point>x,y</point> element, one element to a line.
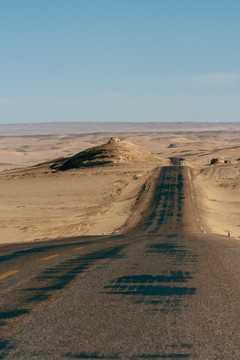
<point>216,79</point>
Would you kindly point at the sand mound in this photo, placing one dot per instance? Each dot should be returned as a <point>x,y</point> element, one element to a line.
<point>171,146</point>
<point>221,160</point>
<point>218,197</point>
<point>217,161</point>
<point>116,151</point>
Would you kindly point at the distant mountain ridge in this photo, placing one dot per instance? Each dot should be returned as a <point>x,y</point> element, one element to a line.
<point>73,128</point>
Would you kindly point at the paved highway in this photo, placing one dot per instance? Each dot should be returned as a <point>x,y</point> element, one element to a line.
<point>162,291</point>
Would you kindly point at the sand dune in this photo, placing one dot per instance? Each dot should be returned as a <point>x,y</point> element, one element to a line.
<point>218,197</point>
<point>38,203</point>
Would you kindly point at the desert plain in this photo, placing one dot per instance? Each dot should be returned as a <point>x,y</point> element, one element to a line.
<point>40,202</point>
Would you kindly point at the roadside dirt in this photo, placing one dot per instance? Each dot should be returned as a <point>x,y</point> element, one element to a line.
<point>217,198</point>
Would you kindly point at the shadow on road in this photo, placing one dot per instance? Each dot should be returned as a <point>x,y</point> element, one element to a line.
<point>129,285</point>
<point>42,288</point>
<point>84,355</point>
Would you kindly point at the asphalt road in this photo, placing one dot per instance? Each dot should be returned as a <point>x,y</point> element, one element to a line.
<point>163,291</point>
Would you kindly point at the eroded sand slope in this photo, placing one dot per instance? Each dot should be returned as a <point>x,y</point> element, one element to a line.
<point>37,203</point>
<point>217,192</point>
<point>41,202</point>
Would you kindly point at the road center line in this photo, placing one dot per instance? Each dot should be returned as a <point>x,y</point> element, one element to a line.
<point>80,247</point>
<point>49,257</point>
<point>8,274</point>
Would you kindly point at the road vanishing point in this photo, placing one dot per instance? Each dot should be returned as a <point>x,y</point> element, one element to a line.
<point>163,290</point>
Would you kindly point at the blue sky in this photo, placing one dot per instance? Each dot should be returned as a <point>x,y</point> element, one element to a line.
<point>118,60</point>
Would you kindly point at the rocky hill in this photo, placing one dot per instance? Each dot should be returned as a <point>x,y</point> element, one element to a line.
<point>116,151</point>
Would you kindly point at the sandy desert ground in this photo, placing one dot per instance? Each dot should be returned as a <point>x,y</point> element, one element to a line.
<point>39,203</point>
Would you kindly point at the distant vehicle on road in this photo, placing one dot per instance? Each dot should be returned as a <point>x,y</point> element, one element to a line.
<point>177,160</point>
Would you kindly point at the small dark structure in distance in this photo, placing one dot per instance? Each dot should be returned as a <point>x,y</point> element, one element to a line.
<point>177,160</point>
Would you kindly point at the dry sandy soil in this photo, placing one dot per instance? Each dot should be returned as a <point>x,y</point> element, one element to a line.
<point>38,203</point>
